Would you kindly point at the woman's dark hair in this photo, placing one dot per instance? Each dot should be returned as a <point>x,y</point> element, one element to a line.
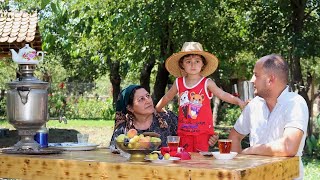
<point>204,61</point>
<point>130,102</point>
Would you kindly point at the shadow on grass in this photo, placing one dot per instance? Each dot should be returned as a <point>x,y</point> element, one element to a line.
<point>55,136</point>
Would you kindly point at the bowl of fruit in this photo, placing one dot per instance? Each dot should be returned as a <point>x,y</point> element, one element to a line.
<point>137,145</point>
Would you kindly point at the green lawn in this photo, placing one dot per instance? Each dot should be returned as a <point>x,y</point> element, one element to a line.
<point>70,123</point>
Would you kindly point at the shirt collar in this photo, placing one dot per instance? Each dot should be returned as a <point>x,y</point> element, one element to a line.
<point>283,95</point>
<point>281,98</point>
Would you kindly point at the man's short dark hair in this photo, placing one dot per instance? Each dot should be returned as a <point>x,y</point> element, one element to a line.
<point>276,64</point>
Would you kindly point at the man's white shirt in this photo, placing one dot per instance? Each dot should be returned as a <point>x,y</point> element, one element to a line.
<point>263,126</point>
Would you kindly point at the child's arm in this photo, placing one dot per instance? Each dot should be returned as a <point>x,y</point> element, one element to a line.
<point>167,97</point>
<point>225,96</point>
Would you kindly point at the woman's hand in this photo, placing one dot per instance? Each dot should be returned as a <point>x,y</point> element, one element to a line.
<point>213,139</point>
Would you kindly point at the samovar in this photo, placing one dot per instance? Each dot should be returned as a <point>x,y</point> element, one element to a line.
<point>27,103</point>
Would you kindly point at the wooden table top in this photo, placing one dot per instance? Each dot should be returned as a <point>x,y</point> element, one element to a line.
<point>101,164</point>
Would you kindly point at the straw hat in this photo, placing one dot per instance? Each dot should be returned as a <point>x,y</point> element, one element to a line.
<point>172,63</point>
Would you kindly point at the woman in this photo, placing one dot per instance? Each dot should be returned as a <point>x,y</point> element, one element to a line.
<point>135,109</point>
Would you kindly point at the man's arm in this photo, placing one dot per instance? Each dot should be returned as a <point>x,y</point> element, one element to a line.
<point>288,145</point>
<point>236,140</point>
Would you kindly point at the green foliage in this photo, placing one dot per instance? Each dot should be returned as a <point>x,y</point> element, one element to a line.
<point>56,104</point>
<point>228,114</point>
<point>313,141</point>
<point>84,107</point>
<point>7,72</point>
<point>3,106</point>
<point>311,168</point>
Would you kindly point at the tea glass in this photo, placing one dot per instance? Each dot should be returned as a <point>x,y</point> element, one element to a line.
<point>224,145</point>
<point>173,142</point>
<point>83,138</point>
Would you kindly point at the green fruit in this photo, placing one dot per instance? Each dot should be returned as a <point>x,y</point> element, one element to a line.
<point>131,145</point>
<point>166,156</point>
<point>120,138</point>
<point>155,139</point>
<point>153,156</point>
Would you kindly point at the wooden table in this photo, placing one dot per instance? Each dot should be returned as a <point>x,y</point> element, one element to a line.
<point>101,164</point>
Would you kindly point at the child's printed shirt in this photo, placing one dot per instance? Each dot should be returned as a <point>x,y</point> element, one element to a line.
<point>195,113</point>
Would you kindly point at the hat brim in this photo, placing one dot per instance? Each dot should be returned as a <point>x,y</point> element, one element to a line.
<point>172,63</point>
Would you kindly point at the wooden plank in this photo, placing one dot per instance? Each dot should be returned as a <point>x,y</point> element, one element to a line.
<point>288,169</point>
<point>101,164</point>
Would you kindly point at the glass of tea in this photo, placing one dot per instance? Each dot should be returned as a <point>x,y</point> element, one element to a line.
<point>173,142</point>
<point>224,145</point>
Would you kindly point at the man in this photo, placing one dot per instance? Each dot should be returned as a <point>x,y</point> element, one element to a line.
<point>276,119</point>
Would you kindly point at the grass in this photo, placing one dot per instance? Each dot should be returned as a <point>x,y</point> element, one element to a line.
<point>81,123</point>
<point>100,132</point>
<point>70,123</point>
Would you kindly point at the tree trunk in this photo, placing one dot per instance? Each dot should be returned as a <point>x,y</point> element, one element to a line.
<point>146,73</point>
<point>216,104</point>
<point>298,17</point>
<point>115,79</point>
<point>166,49</point>
<point>161,83</point>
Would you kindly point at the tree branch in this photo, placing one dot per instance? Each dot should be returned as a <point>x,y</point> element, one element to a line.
<point>315,96</point>
<point>308,14</point>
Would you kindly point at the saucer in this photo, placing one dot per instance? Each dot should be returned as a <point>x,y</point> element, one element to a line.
<point>226,156</point>
<point>170,160</point>
<point>207,154</point>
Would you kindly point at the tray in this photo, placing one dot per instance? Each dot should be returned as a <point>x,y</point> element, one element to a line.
<point>73,146</point>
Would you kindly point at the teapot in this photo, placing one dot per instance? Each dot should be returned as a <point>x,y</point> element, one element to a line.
<point>27,55</point>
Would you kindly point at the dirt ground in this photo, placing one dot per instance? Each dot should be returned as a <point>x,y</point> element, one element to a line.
<point>100,136</point>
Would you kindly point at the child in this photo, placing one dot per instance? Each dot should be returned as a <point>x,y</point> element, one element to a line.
<point>195,123</point>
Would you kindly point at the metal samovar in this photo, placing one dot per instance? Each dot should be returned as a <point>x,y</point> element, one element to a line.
<point>27,104</point>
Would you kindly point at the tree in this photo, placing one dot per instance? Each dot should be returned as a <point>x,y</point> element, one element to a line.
<point>290,29</point>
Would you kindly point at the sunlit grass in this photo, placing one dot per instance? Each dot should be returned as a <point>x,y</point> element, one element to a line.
<point>70,124</point>
<point>80,123</point>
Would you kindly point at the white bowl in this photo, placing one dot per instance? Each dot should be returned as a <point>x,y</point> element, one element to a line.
<point>224,156</point>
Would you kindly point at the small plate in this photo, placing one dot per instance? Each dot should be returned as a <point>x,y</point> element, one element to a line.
<point>170,160</point>
<point>226,156</point>
<point>72,146</point>
<point>207,154</point>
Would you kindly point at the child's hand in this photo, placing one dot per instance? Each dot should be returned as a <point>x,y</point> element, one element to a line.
<point>213,139</point>
<point>243,104</point>
<point>161,110</point>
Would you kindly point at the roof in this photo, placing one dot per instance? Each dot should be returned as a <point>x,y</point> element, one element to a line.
<point>18,28</point>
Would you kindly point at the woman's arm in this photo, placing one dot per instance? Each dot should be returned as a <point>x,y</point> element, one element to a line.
<point>119,130</point>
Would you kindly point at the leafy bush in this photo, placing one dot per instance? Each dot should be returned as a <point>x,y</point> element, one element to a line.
<point>56,104</point>
<point>3,106</point>
<point>92,108</point>
<point>313,142</point>
<point>228,114</point>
